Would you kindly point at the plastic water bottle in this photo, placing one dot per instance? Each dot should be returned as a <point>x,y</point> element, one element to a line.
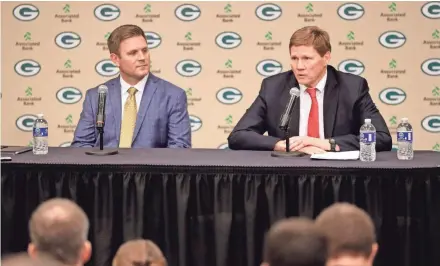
<point>367,142</point>
<point>40,132</point>
<point>404,140</point>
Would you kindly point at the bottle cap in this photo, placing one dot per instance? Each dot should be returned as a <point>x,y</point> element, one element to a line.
<point>367,120</point>
<point>404,119</point>
<point>40,116</point>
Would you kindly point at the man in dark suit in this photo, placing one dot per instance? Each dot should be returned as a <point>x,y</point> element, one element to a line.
<point>142,110</point>
<point>328,114</point>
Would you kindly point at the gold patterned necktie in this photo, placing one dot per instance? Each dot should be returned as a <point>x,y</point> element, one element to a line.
<point>129,120</point>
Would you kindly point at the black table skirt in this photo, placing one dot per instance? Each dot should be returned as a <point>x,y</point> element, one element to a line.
<point>203,213</point>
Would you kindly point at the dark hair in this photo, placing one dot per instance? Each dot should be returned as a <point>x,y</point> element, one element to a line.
<point>121,33</point>
<point>295,242</point>
<point>59,228</point>
<point>348,229</point>
<point>314,36</point>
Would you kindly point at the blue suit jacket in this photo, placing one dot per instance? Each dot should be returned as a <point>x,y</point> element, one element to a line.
<point>162,120</point>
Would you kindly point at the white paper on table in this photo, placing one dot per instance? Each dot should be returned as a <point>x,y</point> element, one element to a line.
<point>344,155</point>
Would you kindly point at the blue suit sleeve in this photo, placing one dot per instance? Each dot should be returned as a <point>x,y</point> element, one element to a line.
<point>85,134</point>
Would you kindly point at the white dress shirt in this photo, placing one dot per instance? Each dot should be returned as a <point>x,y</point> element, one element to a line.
<point>140,86</point>
<point>306,104</point>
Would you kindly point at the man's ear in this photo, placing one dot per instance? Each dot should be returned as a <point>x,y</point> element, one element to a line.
<point>32,250</point>
<point>374,250</point>
<point>86,252</point>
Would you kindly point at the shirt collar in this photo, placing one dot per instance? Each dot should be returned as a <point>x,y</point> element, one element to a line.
<point>139,86</point>
<point>320,86</point>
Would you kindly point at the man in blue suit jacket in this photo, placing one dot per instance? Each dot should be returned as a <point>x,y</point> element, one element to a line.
<point>155,109</point>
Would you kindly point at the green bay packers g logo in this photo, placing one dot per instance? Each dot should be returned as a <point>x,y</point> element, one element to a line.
<point>68,40</point>
<point>153,39</point>
<point>392,39</point>
<point>69,95</point>
<point>268,12</point>
<point>351,11</point>
<point>352,66</point>
<point>392,96</point>
<point>431,123</point>
<point>431,67</point>
<point>27,68</point>
<point>431,10</point>
<point>229,95</point>
<point>196,123</point>
<point>26,12</point>
<point>25,122</point>
<point>106,68</point>
<point>228,40</point>
<point>107,12</point>
<point>187,12</point>
<point>188,68</point>
<point>269,67</point>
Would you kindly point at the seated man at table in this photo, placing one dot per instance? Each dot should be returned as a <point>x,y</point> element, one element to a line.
<point>141,109</point>
<point>294,242</point>
<point>328,114</point>
<point>58,229</point>
<point>350,233</point>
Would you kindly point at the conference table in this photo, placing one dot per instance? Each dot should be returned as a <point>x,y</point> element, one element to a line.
<point>213,207</point>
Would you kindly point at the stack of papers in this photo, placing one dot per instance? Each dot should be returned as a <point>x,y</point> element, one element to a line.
<point>345,155</point>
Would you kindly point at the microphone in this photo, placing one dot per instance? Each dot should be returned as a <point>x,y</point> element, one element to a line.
<point>100,117</point>
<point>285,118</point>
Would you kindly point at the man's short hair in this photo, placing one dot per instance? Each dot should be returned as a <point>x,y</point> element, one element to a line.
<point>59,228</point>
<point>295,242</point>
<point>312,36</point>
<point>122,33</point>
<point>139,252</point>
<point>348,228</point>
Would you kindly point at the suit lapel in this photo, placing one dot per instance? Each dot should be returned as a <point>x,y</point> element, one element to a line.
<point>147,96</point>
<point>331,97</point>
<point>115,100</point>
<point>285,96</point>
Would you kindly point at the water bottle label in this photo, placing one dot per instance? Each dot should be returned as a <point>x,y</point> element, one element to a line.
<point>368,137</point>
<point>41,132</point>
<point>405,136</point>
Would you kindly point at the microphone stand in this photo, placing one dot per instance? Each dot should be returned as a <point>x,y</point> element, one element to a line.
<point>287,153</point>
<point>101,151</point>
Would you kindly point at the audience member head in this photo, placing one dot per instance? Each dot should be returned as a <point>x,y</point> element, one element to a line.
<point>294,242</point>
<point>350,234</point>
<point>23,259</point>
<point>58,228</point>
<point>139,252</point>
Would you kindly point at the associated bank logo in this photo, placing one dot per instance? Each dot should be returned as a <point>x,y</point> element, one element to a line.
<point>107,12</point>
<point>223,146</point>
<point>268,12</point>
<point>106,68</point>
<point>392,39</point>
<point>351,11</point>
<point>25,122</point>
<point>68,40</point>
<point>229,95</point>
<point>188,68</point>
<point>269,67</point>
<point>228,40</point>
<point>195,122</point>
<point>431,10</point>
<point>431,123</point>
<point>27,68</point>
<point>431,67</point>
<point>69,95</point>
<point>352,66</point>
<point>26,12</point>
<point>65,144</point>
<point>187,12</point>
<point>153,39</point>
<point>392,96</point>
